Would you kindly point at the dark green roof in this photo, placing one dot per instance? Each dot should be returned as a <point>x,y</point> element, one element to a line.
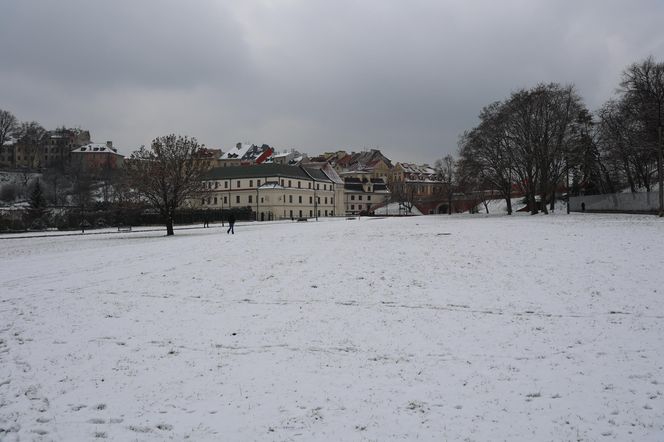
<point>265,170</point>
<point>317,174</point>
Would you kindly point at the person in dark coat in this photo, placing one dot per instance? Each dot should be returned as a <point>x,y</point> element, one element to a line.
<point>231,223</point>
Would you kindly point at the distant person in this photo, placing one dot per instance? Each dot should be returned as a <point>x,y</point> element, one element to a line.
<point>206,220</point>
<point>231,223</point>
<point>583,207</point>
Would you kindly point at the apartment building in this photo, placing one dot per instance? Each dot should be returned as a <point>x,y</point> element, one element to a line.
<point>423,180</point>
<point>363,192</point>
<point>50,149</point>
<point>272,191</point>
<point>96,157</point>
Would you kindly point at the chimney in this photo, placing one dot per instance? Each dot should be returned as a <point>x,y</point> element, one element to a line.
<point>109,144</point>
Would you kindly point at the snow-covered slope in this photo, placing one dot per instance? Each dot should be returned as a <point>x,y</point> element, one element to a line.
<point>422,328</point>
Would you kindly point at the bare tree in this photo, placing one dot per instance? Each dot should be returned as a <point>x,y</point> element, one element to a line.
<point>483,158</point>
<point>8,127</point>
<point>643,85</point>
<point>621,140</point>
<point>446,173</point>
<point>403,193</point>
<point>167,174</point>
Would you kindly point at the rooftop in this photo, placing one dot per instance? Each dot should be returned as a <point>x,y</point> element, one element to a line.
<point>266,170</point>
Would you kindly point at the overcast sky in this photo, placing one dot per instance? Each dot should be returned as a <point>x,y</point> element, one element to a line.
<point>407,77</point>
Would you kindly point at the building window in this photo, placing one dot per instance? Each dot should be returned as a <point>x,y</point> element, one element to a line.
<point>203,202</point>
<point>237,199</point>
<point>359,197</point>
<point>225,184</point>
<point>311,200</point>
<point>290,184</point>
<point>311,213</point>
<point>326,213</point>
<point>300,214</point>
<point>317,186</point>
<point>352,207</point>
<point>368,197</point>
<point>251,183</point>
<point>325,200</point>
<point>238,184</point>
<point>332,200</point>
<point>249,199</point>
<point>291,213</point>
<point>352,197</point>
<point>215,200</point>
<point>299,185</point>
<point>359,207</point>
<point>216,184</point>
<point>258,183</point>
<point>225,200</point>
<point>282,183</point>
<point>290,198</point>
<point>309,185</point>
<point>299,199</point>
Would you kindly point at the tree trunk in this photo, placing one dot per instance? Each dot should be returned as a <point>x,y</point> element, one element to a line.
<point>169,225</point>
<point>552,204</point>
<point>532,202</point>
<point>543,201</point>
<point>508,200</point>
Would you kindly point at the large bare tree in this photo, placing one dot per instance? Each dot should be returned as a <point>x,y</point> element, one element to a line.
<point>643,86</point>
<point>167,174</point>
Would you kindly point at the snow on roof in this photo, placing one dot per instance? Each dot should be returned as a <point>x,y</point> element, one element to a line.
<point>237,152</point>
<point>418,169</point>
<point>95,148</point>
<point>246,151</point>
<point>271,186</point>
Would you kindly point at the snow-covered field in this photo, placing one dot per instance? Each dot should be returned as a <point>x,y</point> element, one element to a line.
<point>429,328</point>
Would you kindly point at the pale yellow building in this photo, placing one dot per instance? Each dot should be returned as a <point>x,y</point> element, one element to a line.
<point>271,191</point>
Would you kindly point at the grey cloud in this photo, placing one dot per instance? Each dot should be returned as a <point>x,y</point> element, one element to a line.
<point>407,77</point>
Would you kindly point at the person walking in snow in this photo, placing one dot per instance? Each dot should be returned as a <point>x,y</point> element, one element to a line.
<point>231,223</point>
<point>206,219</point>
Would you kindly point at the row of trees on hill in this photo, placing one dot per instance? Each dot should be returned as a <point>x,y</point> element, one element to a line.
<point>541,138</point>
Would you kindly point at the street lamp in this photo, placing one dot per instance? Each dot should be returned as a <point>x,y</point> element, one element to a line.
<point>659,169</point>
<point>257,202</point>
<point>315,201</point>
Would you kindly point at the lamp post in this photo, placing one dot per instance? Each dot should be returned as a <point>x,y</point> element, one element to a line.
<point>257,203</point>
<point>567,180</point>
<point>315,201</point>
<point>660,158</point>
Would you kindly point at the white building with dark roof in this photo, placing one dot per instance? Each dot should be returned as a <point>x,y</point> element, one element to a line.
<point>271,191</point>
